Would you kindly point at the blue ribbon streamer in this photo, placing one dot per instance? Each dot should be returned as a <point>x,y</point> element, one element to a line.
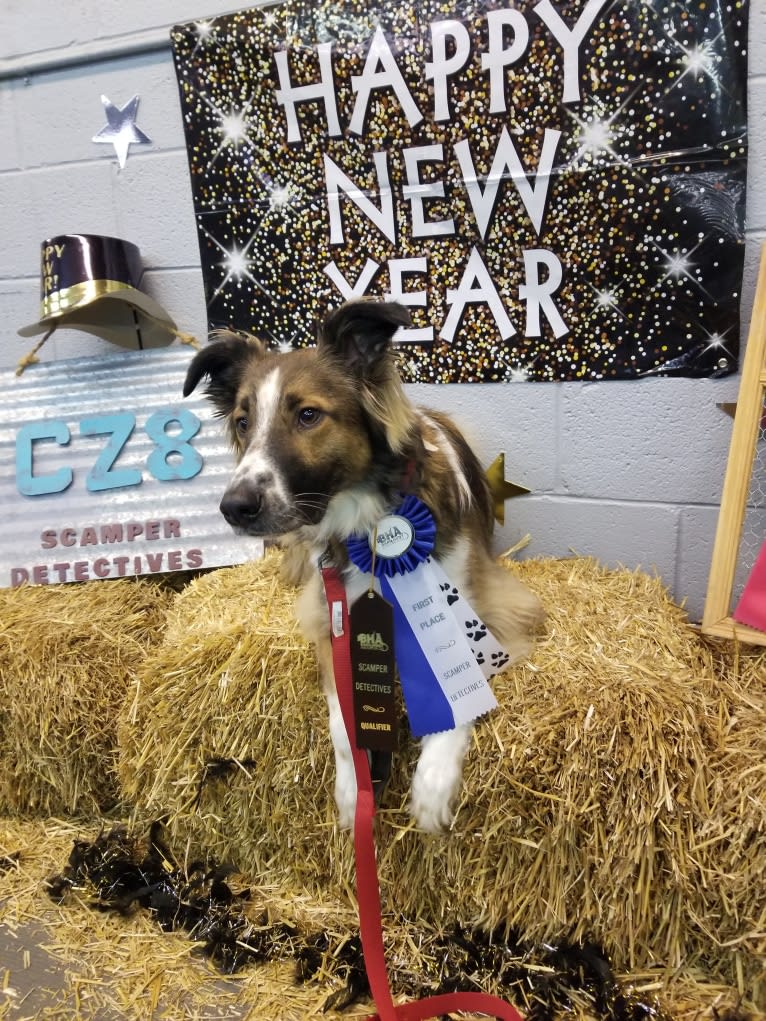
<point>428,710</point>
<point>427,707</point>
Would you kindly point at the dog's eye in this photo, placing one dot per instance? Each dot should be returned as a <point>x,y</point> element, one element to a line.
<point>308,417</point>
<point>240,424</point>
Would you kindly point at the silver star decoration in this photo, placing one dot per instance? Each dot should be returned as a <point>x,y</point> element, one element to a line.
<point>120,129</point>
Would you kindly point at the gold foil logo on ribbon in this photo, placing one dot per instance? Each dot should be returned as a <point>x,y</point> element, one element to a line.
<point>372,642</point>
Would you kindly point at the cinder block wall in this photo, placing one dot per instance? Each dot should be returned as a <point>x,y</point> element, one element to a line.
<point>629,472</point>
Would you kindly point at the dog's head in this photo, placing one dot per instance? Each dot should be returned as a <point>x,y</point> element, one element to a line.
<point>309,425</point>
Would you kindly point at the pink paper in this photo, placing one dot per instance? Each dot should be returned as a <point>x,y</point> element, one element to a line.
<point>751,608</point>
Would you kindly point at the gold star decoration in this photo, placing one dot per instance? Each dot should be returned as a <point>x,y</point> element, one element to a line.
<point>501,490</point>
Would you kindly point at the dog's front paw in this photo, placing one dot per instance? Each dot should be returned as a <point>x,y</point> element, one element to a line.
<point>437,779</point>
<point>433,795</point>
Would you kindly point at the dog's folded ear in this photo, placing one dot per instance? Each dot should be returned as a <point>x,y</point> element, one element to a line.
<point>222,361</point>
<point>357,336</point>
<point>359,333</point>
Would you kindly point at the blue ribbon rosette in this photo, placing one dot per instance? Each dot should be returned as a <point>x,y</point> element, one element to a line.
<point>419,520</point>
<point>442,682</point>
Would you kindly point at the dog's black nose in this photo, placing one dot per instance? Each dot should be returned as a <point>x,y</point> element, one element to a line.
<point>241,507</point>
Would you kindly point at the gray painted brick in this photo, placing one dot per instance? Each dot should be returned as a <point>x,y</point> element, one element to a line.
<point>756,200</point>
<point>39,204</point>
<point>61,111</point>
<point>754,245</point>
<point>695,551</point>
<point>81,21</point>
<point>155,210</point>
<point>9,157</point>
<point>18,256</point>
<point>182,293</point>
<point>659,439</point>
<point>629,534</point>
<point>19,302</point>
<point>35,26</point>
<point>520,420</point>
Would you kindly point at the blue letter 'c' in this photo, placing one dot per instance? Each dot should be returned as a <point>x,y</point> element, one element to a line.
<point>27,483</point>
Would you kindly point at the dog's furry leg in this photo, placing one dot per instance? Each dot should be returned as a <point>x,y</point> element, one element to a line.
<point>345,777</point>
<point>509,609</point>
<point>437,778</point>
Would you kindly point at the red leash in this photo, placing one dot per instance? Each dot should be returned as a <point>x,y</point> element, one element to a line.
<point>367,886</point>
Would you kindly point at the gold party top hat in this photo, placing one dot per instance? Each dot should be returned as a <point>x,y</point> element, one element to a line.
<point>88,282</point>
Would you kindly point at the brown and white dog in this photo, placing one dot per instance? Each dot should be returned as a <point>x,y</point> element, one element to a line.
<point>325,438</point>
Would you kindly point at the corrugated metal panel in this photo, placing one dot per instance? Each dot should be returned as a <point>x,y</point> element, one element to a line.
<point>109,532</point>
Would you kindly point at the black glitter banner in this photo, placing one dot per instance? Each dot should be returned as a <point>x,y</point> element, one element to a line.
<point>556,190</point>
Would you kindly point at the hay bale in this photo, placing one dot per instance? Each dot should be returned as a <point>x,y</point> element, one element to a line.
<point>618,793</point>
<point>217,731</point>
<point>66,658</point>
<point>67,960</point>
